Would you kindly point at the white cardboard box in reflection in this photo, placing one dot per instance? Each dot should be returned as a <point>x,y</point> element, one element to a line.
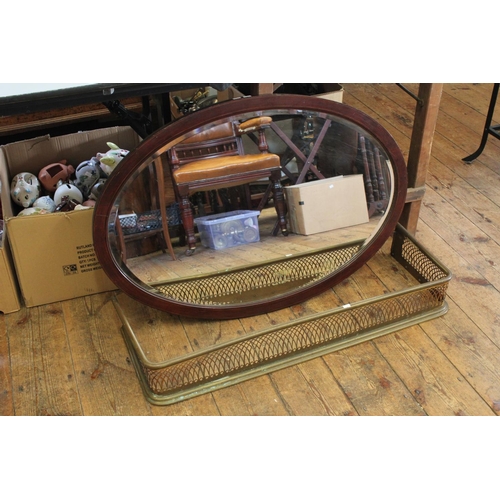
<point>326,204</point>
<point>54,254</point>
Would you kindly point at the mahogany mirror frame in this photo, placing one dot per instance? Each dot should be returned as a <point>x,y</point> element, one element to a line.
<point>162,139</point>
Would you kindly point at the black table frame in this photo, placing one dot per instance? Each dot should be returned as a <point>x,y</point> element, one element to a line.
<point>109,94</point>
<point>489,129</point>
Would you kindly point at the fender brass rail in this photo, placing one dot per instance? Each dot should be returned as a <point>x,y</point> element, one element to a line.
<point>297,341</point>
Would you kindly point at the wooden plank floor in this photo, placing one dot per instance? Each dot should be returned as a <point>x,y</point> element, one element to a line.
<point>69,358</point>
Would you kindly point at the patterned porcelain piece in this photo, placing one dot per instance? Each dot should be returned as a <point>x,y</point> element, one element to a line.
<point>96,190</point>
<point>87,174</point>
<point>25,189</point>
<point>110,160</point>
<point>67,190</point>
<point>45,203</point>
<point>32,211</point>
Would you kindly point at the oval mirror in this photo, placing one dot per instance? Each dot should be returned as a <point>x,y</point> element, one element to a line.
<point>249,206</point>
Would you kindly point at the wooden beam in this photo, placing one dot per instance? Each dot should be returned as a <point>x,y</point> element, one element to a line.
<point>415,194</point>
<point>424,125</point>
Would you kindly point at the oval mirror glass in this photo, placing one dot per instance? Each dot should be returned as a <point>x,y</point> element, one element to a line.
<point>249,206</point>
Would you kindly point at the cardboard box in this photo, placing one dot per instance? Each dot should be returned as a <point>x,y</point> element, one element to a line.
<point>229,94</point>
<point>332,91</point>
<point>54,254</point>
<point>9,288</point>
<point>9,293</point>
<point>182,95</point>
<point>186,95</point>
<point>222,95</point>
<point>326,204</point>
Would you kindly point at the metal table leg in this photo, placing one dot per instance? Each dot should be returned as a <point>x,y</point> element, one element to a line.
<point>488,128</point>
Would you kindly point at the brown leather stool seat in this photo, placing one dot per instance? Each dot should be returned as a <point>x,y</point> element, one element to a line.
<point>218,169</point>
<point>215,158</point>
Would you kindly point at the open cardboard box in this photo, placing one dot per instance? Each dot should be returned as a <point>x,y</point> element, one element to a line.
<point>345,199</point>
<point>54,254</point>
<point>222,95</point>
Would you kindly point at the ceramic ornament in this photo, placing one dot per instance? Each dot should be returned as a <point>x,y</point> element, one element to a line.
<point>109,161</point>
<point>50,175</point>
<point>96,190</point>
<point>46,203</point>
<point>25,189</point>
<point>32,211</point>
<point>87,174</point>
<point>67,190</point>
<point>67,204</point>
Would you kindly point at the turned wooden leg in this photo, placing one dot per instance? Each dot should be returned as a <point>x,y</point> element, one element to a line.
<point>279,202</point>
<point>121,241</point>
<point>188,223</point>
<point>163,205</point>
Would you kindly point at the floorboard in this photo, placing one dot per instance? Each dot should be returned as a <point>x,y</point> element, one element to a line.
<point>70,358</point>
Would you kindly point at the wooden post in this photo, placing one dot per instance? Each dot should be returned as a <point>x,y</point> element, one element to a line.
<point>424,125</point>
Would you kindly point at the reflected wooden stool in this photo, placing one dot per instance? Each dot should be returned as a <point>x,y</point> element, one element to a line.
<point>216,159</point>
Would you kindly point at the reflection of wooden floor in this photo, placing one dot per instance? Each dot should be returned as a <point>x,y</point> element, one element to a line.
<point>159,266</point>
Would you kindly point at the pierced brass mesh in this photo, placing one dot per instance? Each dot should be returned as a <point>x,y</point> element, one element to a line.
<point>299,340</point>
<point>235,285</point>
<point>275,344</point>
<point>420,262</point>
